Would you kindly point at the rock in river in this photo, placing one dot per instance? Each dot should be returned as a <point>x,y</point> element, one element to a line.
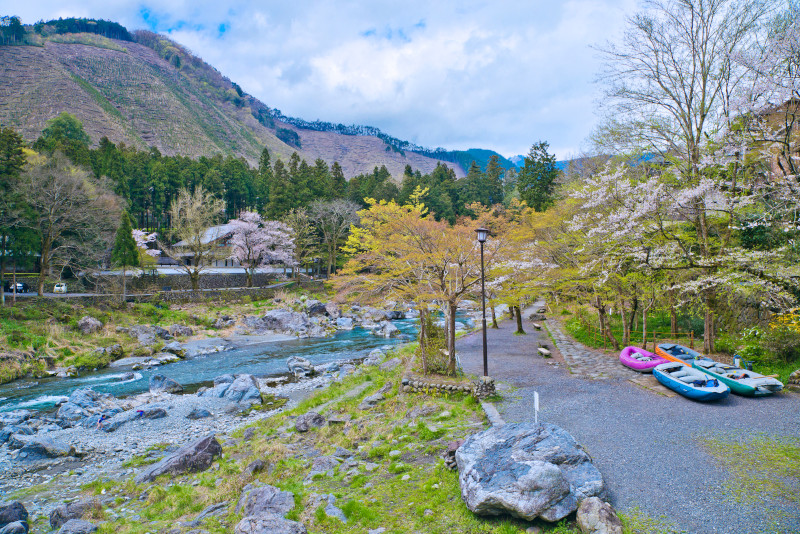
<point>160,383</point>
<point>527,471</point>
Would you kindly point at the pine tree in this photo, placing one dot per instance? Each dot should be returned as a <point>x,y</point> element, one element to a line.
<point>125,252</point>
<point>537,179</point>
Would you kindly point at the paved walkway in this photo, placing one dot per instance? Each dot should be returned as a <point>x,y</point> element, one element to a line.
<point>649,447</point>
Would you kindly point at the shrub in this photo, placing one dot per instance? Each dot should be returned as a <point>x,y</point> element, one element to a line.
<point>783,343</point>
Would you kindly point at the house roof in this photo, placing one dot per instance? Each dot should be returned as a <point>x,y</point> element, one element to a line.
<point>215,233</point>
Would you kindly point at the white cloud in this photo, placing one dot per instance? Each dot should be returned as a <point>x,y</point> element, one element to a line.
<point>498,75</point>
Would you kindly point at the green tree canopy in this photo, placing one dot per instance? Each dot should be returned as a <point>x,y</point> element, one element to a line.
<point>537,179</point>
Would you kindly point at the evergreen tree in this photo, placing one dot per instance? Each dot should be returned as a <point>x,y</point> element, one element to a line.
<point>125,252</point>
<point>280,201</point>
<point>338,181</point>
<point>65,133</point>
<point>537,180</point>
<point>493,181</point>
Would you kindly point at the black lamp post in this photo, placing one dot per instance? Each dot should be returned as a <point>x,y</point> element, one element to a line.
<point>483,233</point>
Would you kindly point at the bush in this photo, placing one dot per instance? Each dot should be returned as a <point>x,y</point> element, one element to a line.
<point>783,343</point>
<point>435,344</point>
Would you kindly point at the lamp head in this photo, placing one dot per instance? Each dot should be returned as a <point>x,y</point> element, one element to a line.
<point>483,233</point>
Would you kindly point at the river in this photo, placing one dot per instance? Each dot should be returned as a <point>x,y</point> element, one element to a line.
<point>262,360</point>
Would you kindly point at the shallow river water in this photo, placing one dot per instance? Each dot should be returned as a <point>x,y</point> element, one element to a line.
<point>263,359</point>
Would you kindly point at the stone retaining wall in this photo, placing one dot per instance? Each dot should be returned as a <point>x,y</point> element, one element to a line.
<point>424,385</point>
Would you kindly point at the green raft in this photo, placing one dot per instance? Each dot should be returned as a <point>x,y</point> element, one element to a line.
<point>741,381</point>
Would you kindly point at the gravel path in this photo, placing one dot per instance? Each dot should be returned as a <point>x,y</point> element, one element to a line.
<point>646,445</point>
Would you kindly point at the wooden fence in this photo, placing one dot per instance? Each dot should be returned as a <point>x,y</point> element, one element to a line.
<point>637,336</point>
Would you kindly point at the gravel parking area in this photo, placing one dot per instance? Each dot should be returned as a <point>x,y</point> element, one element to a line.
<point>647,446</point>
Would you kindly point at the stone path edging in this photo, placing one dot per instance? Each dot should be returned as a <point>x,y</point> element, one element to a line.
<point>583,361</point>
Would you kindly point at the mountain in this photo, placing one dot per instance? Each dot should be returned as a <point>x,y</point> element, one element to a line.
<point>145,90</point>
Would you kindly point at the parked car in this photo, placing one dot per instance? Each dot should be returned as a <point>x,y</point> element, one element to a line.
<point>22,287</point>
<point>60,287</point>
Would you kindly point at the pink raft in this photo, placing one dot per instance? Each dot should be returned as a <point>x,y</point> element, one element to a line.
<point>639,359</point>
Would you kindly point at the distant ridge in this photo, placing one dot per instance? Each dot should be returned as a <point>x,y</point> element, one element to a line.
<point>145,90</point>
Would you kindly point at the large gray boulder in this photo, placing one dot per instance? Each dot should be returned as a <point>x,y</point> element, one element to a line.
<point>17,527</point>
<point>526,471</point>
<point>11,512</point>
<point>268,523</point>
<point>192,457</point>
<point>163,384</point>
<point>39,447</point>
<point>300,366</point>
<point>308,420</point>
<point>598,517</point>
<point>77,526</point>
<point>266,499</point>
<point>76,510</point>
<point>285,321</point>
<point>244,389</point>
<point>148,412</point>
<point>89,325</point>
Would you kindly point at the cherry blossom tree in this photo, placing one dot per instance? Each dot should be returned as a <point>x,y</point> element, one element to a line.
<point>255,242</point>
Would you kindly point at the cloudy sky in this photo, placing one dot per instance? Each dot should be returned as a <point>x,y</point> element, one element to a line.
<point>457,74</point>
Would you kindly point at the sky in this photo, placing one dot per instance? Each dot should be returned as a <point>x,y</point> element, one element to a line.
<point>498,75</point>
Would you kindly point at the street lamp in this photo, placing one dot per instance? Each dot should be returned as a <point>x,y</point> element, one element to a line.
<point>483,233</point>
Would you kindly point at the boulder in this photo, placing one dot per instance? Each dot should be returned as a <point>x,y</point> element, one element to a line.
<point>386,329</point>
<point>308,420</point>
<point>120,419</point>
<point>300,366</point>
<point>198,413</point>
<point>374,357</point>
<point>371,401</point>
<point>265,499</point>
<point>16,527</point>
<point>527,471</point>
<point>7,432</point>
<point>15,417</point>
<point>76,510</point>
<point>244,389</point>
<point>394,315</point>
<point>390,364</point>
<point>174,348</point>
<point>162,384</point>
<point>224,379</point>
<point>144,334</point>
<point>333,310</point>
<point>598,517</point>
<point>179,330</point>
<point>344,323</point>
<point>192,457</point>
<point>89,325</point>
<point>224,321</point>
<point>38,447</point>
<point>77,526</point>
<point>254,467</point>
<point>268,523</point>
<point>285,321</point>
<point>794,381</point>
<point>11,512</point>
<point>315,308</point>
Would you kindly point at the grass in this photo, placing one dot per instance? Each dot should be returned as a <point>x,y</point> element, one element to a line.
<point>43,334</point>
<point>762,468</point>
<point>413,492</point>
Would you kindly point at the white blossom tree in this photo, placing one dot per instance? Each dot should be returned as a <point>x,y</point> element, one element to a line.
<point>255,242</point>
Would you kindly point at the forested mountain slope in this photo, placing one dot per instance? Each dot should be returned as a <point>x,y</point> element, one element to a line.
<point>152,92</point>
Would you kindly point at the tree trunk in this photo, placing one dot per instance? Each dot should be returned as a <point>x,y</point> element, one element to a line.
<point>451,337</point>
<point>519,321</point>
<point>626,325</point>
<point>44,264</point>
<point>124,284</point>
<point>634,309</point>
<point>494,317</point>
<point>2,270</point>
<point>610,336</point>
<point>194,277</point>
<point>644,328</point>
<point>423,339</point>
<point>708,324</point>
<point>249,274</point>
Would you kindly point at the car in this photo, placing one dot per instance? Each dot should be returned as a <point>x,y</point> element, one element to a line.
<point>22,287</point>
<point>60,287</point>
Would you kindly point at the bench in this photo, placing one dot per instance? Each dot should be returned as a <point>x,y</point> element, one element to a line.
<point>537,326</point>
<point>544,352</point>
<point>544,345</point>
